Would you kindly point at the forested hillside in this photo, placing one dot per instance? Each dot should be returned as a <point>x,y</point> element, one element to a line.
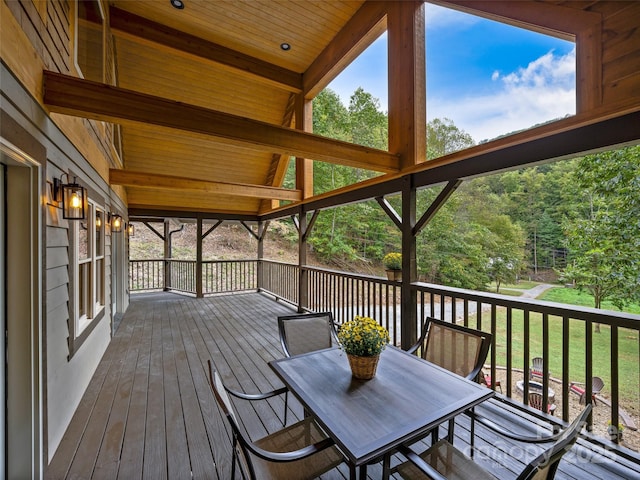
<point>578,219</point>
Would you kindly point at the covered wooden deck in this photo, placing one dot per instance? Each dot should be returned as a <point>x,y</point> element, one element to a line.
<point>149,413</point>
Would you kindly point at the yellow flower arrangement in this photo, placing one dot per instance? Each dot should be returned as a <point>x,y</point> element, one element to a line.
<point>392,261</point>
<point>363,336</point>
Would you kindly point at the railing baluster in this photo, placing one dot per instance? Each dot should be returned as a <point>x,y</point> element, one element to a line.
<point>509,349</point>
<point>526,353</point>
<point>565,368</point>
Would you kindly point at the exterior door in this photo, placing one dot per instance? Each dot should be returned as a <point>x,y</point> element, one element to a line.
<point>20,317</point>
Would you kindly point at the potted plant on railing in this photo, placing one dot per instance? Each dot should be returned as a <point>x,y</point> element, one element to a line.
<point>393,264</point>
<point>363,339</point>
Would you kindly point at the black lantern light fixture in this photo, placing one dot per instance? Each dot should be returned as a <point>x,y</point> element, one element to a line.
<point>98,221</point>
<point>116,223</point>
<point>131,231</point>
<point>73,197</point>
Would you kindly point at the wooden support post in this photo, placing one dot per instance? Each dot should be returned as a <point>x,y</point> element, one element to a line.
<point>167,256</point>
<point>303,278</point>
<point>304,183</point>
<point>199,292</point>
<point>408,329</point>
<point>407,82</point>
<point>262,228</point>
<point>304,166</point>
<point>407,134</point>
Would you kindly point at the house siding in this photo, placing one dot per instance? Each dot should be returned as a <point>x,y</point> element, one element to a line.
<point>36,38</point>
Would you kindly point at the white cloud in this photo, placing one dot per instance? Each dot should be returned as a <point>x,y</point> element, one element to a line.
<point>543,91</point>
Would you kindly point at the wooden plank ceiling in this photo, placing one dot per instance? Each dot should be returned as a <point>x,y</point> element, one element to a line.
<point>151,59</point>
<point>206,95</point>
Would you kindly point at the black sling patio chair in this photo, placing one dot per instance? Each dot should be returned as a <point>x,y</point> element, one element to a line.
<point>457,348</point>
<point>306,332</point>
<point>443,461</point>
<point>300,451</point>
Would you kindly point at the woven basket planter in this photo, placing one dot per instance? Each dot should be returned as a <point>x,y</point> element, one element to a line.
<point>363,368</point>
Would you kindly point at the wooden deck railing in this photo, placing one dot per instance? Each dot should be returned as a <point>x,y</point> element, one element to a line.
<point>218,276</point>
<point>222,276</point>
<point>511,320</point>
<point>146,275</point>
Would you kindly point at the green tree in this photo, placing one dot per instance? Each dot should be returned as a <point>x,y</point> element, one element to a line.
<point>443,137</point>
<point>604,238</point>
<point>351,232</point>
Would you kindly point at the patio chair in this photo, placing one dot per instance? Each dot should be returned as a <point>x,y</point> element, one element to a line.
<point>459,349</point>
<point>535,401</point>
<point>305,333</point>
<point>597,384</point>
<point>487,380</point>
<point>536,368</point>
<point>443,460</point>
<point>300,451</point>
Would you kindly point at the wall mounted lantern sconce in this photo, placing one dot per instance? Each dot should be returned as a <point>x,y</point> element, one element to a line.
<point>73,198</point>
<point>131,230</point>
<point>98,221</point>
<point>116,223</point>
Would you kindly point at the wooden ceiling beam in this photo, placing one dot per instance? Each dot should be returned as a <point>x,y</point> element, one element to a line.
<point>139,28</point>
<point>129,178</point>
<point>368,23</point>
<point>74,96</point>
<point>582,134</point>
<point>547,18</point>
<point>160,212</point>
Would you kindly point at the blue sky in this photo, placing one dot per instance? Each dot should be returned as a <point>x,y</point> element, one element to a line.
<point>489,78</point>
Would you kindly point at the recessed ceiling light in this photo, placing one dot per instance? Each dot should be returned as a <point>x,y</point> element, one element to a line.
<point>179,4</point>
<point>285,46</point>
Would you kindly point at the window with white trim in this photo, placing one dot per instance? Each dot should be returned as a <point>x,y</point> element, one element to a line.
<point>88,269</point>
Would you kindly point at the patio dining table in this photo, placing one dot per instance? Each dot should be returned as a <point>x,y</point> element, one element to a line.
<point>369,419</point>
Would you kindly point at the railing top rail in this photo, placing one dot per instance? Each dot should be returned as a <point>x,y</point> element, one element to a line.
<point>620,319</point>
<point>232,261</point>
<point>277,262</point>
<point>358,276</point>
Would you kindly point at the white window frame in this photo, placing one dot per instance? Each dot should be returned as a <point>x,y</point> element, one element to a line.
<point>91,284</point>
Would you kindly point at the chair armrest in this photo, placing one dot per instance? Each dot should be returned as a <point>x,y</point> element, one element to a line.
<point>427,469</point>
<point>506,433</point>
<point>415,347</point>
<point>256,396</point>
<point>293,455</point>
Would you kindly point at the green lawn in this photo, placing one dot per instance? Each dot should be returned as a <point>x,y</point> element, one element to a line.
<point>573,296</point>
<point>629,355</point>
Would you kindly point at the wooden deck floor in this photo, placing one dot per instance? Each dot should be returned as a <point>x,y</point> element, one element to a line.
<point>149,413</point>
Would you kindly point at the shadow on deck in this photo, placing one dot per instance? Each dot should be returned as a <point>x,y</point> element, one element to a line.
<point>149,412</point>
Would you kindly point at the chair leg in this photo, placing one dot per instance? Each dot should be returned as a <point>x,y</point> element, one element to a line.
<point>472,431</point>
<point>386,467</point>
<point>286,407</point>
<point>452,424</point>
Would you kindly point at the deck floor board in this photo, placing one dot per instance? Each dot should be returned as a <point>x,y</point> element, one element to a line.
<point>148,412</point>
